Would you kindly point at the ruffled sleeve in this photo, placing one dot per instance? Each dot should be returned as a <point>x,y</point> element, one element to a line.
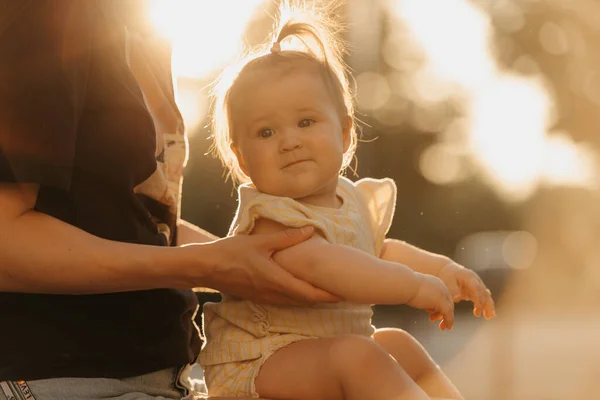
<point>284,210</point>
<point>379,198</point>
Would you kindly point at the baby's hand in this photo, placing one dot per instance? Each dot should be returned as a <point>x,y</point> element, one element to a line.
<point>464,284</point>
<point>433,297</point>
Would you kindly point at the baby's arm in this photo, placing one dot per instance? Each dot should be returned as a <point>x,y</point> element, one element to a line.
<point>462,283</point>
<point>359,277</point>
<point>417,259</point>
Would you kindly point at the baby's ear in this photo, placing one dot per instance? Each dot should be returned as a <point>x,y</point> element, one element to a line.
<point>239,157</point>
<point>347,132</point>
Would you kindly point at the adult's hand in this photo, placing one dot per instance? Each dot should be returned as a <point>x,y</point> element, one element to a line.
<point>244,267</point>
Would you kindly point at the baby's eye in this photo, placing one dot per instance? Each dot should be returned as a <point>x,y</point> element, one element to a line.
<point>266,133</point>
<point>306,122</point>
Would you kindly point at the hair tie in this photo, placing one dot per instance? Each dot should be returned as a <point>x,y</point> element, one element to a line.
<point>276,47</point>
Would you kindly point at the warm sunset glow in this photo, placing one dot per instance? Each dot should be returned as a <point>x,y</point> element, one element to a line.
<point>508,133</point>
<point>510,137</point>
<point>509,116</point>
<point>454,38</point>
<point>205,34</point>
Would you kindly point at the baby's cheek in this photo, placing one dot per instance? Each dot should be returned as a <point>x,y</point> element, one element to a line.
<point>264,178</point>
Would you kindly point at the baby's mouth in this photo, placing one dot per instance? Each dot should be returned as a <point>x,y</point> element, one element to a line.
<point>294,163</point>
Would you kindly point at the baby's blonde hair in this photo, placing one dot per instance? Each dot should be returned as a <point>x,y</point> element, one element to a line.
<point>320,49</point>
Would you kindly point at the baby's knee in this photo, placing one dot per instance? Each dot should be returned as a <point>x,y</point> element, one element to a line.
<point>394,337</point>
<point>355,352</point>
<point>407,351</point>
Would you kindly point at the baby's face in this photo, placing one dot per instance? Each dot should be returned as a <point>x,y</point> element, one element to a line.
<point>289,137</point>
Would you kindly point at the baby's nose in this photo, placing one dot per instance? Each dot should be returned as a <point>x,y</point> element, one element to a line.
<point>290,142</point>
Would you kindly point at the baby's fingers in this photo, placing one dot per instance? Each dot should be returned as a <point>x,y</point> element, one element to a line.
<point>489,309</point>
<point>438,316</point>
<point>448,313</point>
<point>445,325</point>
<point>435,316</point>
<point>484,304</point>
<point>478,293</point>
<point>454,290</point>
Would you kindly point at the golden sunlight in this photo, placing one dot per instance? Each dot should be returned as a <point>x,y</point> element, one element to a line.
<point>509,121</point>
<point>454,38</point>
<point>205,34</point>
<point>509,116</point>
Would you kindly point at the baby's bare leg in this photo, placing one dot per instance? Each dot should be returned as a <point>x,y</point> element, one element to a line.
<point>226,398</point>
<point>348,367</point>
<point>417,363</point>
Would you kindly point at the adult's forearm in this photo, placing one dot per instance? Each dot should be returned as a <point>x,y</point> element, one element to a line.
<point>350,273</point>
<point>188,233</point>
<point>417,259</point>
<point>41,254</point>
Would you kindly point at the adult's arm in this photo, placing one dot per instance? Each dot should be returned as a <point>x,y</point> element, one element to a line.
<point>41,254</point>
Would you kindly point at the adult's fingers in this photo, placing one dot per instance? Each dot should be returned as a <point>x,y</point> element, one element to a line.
<point>276,298</point>
<point>287,238</point>
<point>299,290</point>
<point>281,299</point>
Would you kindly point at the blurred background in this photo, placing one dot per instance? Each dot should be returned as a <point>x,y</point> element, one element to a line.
<point>486,115</point>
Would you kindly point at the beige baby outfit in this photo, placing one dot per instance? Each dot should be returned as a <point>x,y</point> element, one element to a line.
<point>241,335</point>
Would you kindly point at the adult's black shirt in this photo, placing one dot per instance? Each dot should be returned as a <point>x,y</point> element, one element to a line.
<point>73,119</point>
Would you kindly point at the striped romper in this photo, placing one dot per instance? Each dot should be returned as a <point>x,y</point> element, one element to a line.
<point>241,335</point>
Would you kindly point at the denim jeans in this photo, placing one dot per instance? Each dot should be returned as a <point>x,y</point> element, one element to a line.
<point>163,384</point>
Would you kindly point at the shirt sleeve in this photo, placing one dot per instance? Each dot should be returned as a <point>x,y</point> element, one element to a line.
<point>44,57</point>
<point>379,196</point>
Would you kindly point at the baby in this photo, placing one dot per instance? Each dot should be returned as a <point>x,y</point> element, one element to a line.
<point>284,127</point>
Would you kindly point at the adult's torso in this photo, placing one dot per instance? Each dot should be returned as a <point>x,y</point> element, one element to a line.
<point>114,157</point>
